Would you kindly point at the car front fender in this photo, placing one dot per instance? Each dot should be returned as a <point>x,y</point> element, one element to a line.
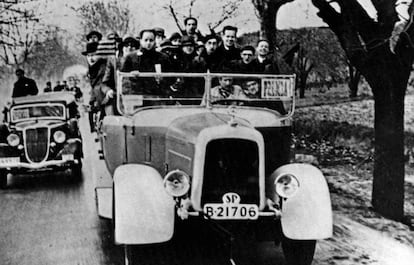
<point>308,214</point>
<point>144,212</point>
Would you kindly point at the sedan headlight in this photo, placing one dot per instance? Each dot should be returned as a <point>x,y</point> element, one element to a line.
<point>286,185</point>
<point>59,137</point>
<point>177,183</point>
<point>13,139</point>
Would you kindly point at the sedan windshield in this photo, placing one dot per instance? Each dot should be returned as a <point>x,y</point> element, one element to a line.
<point>21,113</point>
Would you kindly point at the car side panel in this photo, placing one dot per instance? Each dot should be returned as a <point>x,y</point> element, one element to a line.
<point>114,131</point>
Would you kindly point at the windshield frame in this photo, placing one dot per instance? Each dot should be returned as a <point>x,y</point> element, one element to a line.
<point>207,87</point>
<point>49,104</point>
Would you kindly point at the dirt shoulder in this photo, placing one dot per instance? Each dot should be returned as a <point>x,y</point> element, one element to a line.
<point>361,236</point>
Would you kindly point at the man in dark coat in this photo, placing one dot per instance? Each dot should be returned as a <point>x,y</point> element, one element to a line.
<point>263,63</point>
<point>147,59</point>
<point>228,50</point>
<point>191,30</point>
<point>24,86</point>
<point>209,54</point>
<point>244,66</point>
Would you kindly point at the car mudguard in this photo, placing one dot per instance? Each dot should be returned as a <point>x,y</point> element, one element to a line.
<point>144,212</point>
<point>308,214</point>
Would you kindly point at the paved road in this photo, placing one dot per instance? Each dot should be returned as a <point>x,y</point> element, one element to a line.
<point>51,219</point>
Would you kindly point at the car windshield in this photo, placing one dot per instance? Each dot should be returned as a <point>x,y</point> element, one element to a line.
<point>37,111</point>
<point>137,90</point>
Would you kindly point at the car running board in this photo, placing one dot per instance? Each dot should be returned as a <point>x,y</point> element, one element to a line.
<point>104,201</point>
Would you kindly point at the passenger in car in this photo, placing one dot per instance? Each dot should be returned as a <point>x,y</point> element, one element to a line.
<point>159,38</point>
<point>24,86</point>
<point>210,54</point>
<point>226,90</point>
<point>191,30</point>
<point>228,51</point>
<point>264,63</point>
<point>251,88</point>
<point>243,65</point>
<point>147,59</point>
<point>175,39</point>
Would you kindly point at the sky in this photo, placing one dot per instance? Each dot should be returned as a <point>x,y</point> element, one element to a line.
<point>150,13</point>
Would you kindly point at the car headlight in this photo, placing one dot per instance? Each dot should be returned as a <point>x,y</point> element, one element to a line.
<point>286,185</point>
<point>177,183</point>
<point>13,139</point>
<point>59,137</point>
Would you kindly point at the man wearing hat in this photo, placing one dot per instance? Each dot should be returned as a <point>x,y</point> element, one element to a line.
<point>93,36</point>
<point>210,53</point>
<point>175,38</point>
<point>159,37</point>
<point>24,86</point>
<point>96,72</point>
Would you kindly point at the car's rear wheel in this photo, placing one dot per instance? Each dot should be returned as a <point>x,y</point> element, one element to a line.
<point>298,252</point>
<point>3,179</point>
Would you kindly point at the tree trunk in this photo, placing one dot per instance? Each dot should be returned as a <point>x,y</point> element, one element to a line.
<point>389,92</point>
<point>388,184</point>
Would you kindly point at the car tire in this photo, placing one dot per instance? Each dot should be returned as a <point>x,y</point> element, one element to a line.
<point>3,179</point>
<point>298,252</point>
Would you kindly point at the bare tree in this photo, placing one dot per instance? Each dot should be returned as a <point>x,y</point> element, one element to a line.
<point>266,11</point>
<point>19,29</point>
<point>105,16</point>
<point>180,9</point>
<point>382,50</point>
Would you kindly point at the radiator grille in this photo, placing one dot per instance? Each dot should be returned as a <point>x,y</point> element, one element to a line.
<point>231,165</point>
<point>36,143</point>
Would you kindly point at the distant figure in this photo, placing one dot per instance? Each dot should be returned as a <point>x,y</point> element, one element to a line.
<point>65,86</point>
<point>74,88</point>
<point>58,87</point>
<point>48,87</point>
<point>24,86</point>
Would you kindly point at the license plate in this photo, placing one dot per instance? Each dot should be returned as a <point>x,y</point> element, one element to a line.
<point>225,211</point>
<point>67,157</point>
<point>9,161</point>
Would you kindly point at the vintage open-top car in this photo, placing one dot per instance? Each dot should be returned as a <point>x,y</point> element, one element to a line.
<point>40,133</point>
<point>185,150</point>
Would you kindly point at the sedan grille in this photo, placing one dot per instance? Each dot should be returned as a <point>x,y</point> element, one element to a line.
<point>231,165</point>
<point>36,143</point>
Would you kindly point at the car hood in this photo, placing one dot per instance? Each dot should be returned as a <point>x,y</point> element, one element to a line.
<point>38,123</point>
<point>189,127</point>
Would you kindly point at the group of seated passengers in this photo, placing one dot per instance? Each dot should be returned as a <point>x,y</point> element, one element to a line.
<point>186,52</point>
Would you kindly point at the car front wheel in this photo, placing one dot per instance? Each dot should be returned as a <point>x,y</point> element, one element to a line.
<point>298,252</point>
<point>3,179</point>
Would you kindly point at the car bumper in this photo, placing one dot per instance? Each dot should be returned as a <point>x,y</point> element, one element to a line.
<point>41,165</point>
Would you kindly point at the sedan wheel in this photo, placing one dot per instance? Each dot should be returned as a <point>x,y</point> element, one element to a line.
<point>298,252</point>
